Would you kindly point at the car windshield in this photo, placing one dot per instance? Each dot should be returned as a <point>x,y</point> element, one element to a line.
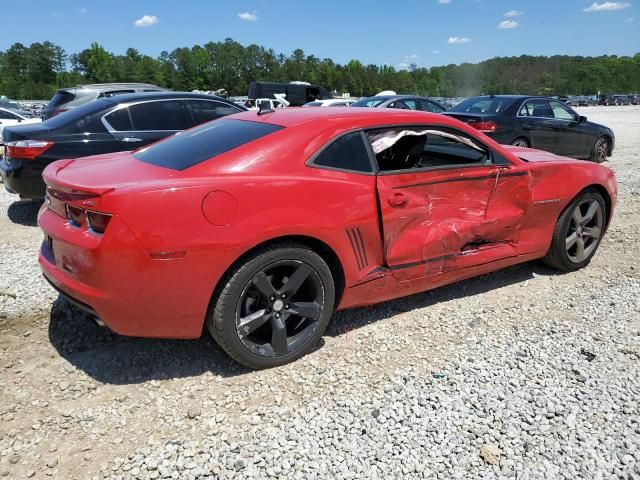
<point>370,102</point>
<point>194,146</point>
<point>483,105</point>
<point>77,113</point>
<point>11,104</point>
<point>313,104</point>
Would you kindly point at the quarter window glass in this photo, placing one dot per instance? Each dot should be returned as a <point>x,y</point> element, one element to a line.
<point>162,115</point>
<point>536,108</point>
<point>6,115</point>
<point>347,153</point>
<point>561,112</point>
<point>205,110</point>
<point>120,120</point>
<point>425,148</point>
<point>427,106</point>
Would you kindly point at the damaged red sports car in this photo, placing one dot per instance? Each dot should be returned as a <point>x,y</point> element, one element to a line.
<point>261,225</point>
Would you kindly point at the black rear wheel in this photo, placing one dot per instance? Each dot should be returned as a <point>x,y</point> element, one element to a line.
<point>274,307</point>
<point>600,150</point>
<point>520,142</point>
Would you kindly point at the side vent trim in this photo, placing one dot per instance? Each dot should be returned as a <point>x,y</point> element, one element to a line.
<point>359,250</point>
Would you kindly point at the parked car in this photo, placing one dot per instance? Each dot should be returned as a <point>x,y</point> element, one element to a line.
<point>10,117</point>
<point>332,102</point>
<point>604,99</point>
<point>406,102</point>
<point>622,100</point>
<point>123,122</point>
<point>260,226</point>
<point>15,107</point>
<point>537,122</point>
<point>634,99</point>
<point>73,97</point>
<point>296,93</point>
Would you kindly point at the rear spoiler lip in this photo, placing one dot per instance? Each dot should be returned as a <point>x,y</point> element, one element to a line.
<point>66,189</point>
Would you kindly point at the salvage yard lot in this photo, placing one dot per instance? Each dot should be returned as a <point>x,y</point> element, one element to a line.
<point>523,373</point>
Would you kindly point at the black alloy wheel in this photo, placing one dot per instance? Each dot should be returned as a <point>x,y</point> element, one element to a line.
<point>274,306</point>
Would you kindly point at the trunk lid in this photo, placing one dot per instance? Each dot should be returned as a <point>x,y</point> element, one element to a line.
<point>99,174</point>
<point>535,156</point>
<point>471,117</point>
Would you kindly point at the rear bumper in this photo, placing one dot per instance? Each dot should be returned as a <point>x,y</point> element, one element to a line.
<point>23,178</point>
<point>112,277</point>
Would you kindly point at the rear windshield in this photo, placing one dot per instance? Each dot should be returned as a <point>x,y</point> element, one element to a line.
<point>78,113</point>
<point>61,97</point>
<point>191,147</point>
<point>483,105</point>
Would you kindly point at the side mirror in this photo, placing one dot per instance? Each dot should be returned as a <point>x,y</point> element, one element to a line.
<point>19,120</point>
<point>582,119</point>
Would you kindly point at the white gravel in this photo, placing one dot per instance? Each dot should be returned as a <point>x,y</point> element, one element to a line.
<point>521,374</point>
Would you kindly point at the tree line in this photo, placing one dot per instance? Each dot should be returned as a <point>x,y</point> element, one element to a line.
<point>36,71</point>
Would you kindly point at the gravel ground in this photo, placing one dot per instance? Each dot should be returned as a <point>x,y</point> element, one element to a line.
<point>523,374</point>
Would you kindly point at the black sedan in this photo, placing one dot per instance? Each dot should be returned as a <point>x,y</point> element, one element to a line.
<point>406,102</point>
<point>536,122</point>
<point>124,122</point>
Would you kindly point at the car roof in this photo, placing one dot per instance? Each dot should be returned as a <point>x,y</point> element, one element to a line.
<point>167,94</point>
<point>358,117</point>
<point>110,86</point>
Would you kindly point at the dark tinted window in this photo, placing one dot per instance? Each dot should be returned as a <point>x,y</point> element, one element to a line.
<point>194,146</point>
<point>160,115</point>
<point>427,106</point>
<point>120,120</point>
<point>483,105</point>
<point>206,110</point>
<point>78,113</point>
<point>347,152</point>
<point>7,115</point>
<point>536,108</point>
<point>370,102</point>
<point>114,93</point>
<point>61,97</point>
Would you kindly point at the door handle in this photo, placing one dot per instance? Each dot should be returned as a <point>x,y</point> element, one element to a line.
<point>398,200</point>
<point>131,139</point>
<point>498,171</point>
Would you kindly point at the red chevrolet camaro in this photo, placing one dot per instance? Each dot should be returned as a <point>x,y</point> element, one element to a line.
<point>260,225</point>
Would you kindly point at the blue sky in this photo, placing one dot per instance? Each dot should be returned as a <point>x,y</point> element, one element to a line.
<point>425,32</point>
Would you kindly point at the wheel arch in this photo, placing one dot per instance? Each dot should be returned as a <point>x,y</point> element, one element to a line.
<point>326,252</point>
<point>599,189</point>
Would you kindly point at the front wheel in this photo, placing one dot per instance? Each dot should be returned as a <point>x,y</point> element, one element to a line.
<point>578,233</point>
<point>274,306</point>
<point>600,150</point>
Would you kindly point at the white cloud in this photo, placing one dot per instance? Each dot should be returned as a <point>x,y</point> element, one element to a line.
<point>606,6</point>
<point>629,20</point>
<point>146,21</point>
<point>507,24</point>
<point>458,40</point>
<point>435,52</point>
<point>444,2</point>
<point>403,65</point>
<point>512,13</point>
<point>248,16</point>
<point>83,10</point>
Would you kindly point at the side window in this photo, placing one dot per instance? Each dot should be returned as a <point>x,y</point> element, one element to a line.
<point>6,115</point>
<point>404,104</point>
<point>114,93</point>
<point>536,108</point>
<point>120,120</point>
<point>427,106</point>
<point>426,148</point>
<point>561,112</point>
<point>206,110</point>
<point>160,115</point>
<point>346,153</point>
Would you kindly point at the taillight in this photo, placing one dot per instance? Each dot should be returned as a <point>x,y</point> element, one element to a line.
<point>98,221</point>
<point>58,112</point>
<point>484,127</point>
<point>75,215</point>
<point>27,149</point>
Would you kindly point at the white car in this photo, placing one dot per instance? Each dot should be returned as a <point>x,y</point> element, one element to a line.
<point>9,118</point>
<point>332,102</point>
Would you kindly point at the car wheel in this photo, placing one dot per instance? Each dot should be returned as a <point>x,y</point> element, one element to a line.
<point>274,306</point>
<point>520,142</point>
<point>600,150</point>
<point>578,233</point>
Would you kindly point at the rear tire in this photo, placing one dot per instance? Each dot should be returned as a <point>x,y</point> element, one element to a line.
<point>600,150</point>
<point>578,233</point>
<point>274,306</point>
<point>520,142</point>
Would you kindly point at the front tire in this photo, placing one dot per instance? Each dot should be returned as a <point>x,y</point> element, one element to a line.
<point>274,306</point>
<point>600,150</point>
<point>578,233</point>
